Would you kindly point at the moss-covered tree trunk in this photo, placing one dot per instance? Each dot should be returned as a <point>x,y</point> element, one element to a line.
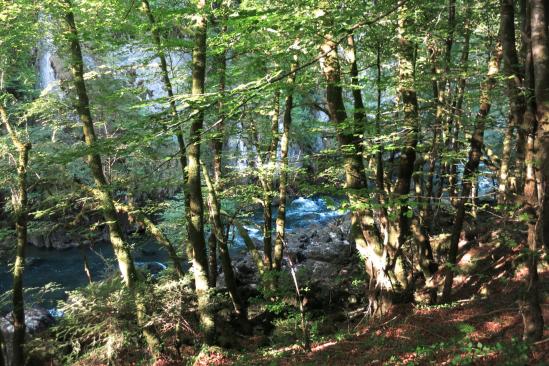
<point>20,203</point>
<point>196,215</point>
<point>103,193</point>
<point>284,166</point>
<point>217,228</point>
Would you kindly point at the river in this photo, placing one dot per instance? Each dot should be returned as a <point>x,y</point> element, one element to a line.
<point>65,268</point>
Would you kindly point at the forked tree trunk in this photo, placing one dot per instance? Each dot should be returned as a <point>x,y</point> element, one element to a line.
<point>103,194</point>
<point>475,153</point>
<point>195,218</point>
<point>283,182</point>
<point>19,202</point>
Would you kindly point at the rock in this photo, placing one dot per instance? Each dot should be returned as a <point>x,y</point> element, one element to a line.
<point>148,252</point>
<point>335,252</point>
<point>153,268</point>
<point>324,261</point>
<point>37,319</point>
<point>33,261</point>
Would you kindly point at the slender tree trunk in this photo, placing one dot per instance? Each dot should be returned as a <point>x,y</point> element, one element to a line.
<point>220,128</point>
<point>440,81</point>
<point>196,214</point>
<point>456,110</point>
<point>282,188</point>
<point>173,108</point>
<point>217,227</point>
<point>379,154</point>
<point>517,102</point>
<point>103,194</point>
<point>20,203</point>
<point>475,153</point>
<point>267,182</point>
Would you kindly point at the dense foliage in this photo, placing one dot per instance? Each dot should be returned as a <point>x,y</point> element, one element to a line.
<point>195,124</point>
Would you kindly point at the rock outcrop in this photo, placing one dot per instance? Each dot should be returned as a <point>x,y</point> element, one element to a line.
<point>324,261</point>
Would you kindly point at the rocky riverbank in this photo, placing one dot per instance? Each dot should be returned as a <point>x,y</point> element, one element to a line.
<point>323,259</point>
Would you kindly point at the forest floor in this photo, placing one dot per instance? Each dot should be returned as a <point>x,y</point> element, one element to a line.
<point>482,326</point>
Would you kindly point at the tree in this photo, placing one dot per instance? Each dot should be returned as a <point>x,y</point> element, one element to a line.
<point>196,215</point>
<point>102,190</point>
<point>20,203</point>
<point>475,153</point>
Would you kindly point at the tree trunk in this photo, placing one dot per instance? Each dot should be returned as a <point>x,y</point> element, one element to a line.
<point>267,182</point>
<point>529,306</point>
<point>475,153</point>
<point>540,58</point>
<point>284,145</point>
<point>219,138</point>
<point>453,124</point>
<point>196,214</point>
<point>173,108</point>
<point>155,232</point>
<point>517,102</point>
<point>103,194</point>
<point>385,287</point>
<point>408,97</point>
<point>217,227</point>
<point>19,200</point>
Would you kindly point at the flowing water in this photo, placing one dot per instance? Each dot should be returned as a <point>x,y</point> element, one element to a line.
<point>66,267</point>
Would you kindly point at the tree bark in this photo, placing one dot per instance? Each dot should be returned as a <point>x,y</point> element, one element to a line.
<point>475,153</point>
<point>196,215</point>
<point>121,250</point>
<point>20,205</point>
<point>282,188</point>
